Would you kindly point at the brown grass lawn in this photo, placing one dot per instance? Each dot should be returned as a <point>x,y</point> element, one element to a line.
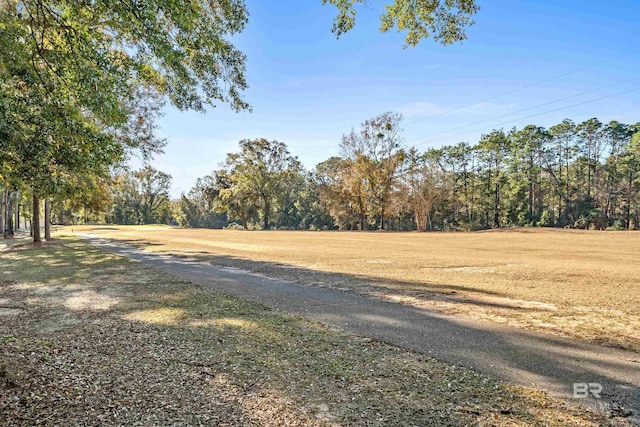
<point>573,283</point>
<point>90,338</point>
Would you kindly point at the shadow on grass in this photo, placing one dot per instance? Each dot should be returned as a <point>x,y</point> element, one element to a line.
<point>514,355</point>
<point>277,366</point>
<point>361,284</point>
<point>597,326</point>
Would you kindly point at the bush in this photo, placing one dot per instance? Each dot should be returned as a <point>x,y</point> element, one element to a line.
<point>617,226</point>
<point>547,219</point>
<point>234,226</point>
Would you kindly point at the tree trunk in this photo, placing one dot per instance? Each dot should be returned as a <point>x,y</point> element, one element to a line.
<point>559,185</point>
<point>466,198</point>
<point>2,213</point>
<point>566,192</point>
<point>496,208</point>
<point>530,201</point>
<point>244,218</point>
<point>628,207</point>
<point>8,225</point>
<point>628,215</point>
<point>47,218</point>
<point>588,169</point>
<point>267,208</point>
<point>17,210</point>
<point>35,223</point>
<point>421,220</point>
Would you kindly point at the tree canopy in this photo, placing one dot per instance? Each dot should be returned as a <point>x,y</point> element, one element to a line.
<point>81,82</point>
<point>443,20</point>
<point>257,179</point>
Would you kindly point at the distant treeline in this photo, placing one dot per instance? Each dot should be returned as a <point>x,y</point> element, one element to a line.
<point>584,175</point>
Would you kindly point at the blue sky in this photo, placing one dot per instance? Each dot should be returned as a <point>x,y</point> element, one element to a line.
<point>307,88</point>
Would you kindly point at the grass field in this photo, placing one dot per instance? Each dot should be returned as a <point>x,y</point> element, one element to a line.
<point>579,284</point>
<point>90,338</point>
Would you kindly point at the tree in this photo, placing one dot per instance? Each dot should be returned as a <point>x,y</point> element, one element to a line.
<point>45,141</point>
<point>444,20</point>
<point>86,195</point>
<point>235,197</point>
<point>425,185</point>
<point>630,185</point>
<point>590,134</point>
<point>290,195</point>
<point>459,163</point>
<point>342,192</point>
<point>492,150</point>
<point>375,154</point>
<point>257,177</point>
<point>76,75</point>
<point>528,177</point>
<point>526,154</point>
<point>310,207</point>
<point>141,197</point>
<point>563,137</point>
<point>154,188</point>
<point>92,76</point>
<point>616,135</point>
<point>101,51</point>
<point>198,207</point>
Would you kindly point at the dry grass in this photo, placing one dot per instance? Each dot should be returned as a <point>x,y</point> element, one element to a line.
<point>572,283</point>
<point>89,338</point>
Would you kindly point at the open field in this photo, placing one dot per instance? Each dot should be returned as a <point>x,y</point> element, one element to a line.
<point>92,338</point>
<point>572,283</point>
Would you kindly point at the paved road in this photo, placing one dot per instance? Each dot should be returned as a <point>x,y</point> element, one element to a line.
<point>518,356</point>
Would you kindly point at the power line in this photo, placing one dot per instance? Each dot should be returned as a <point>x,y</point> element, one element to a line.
<point>430,141</point>
<point>527,109</point>
<point>509,92</point>
<point>568,73</point>
<point>529,117</point>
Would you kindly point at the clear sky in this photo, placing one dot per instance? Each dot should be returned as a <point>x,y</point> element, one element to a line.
<point>307,88</point>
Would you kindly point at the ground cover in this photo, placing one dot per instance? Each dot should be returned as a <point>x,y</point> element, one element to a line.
<point>90,338</point>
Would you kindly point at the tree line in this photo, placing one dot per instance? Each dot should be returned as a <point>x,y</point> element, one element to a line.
<point>576,175</point>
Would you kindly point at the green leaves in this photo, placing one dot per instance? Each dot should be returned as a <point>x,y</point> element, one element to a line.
<point>82,82</point>
<point>443,20</point>
<point>102,51</point>
<point>140,197</point>
<point>346,18</point>
<point>256,179</point>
